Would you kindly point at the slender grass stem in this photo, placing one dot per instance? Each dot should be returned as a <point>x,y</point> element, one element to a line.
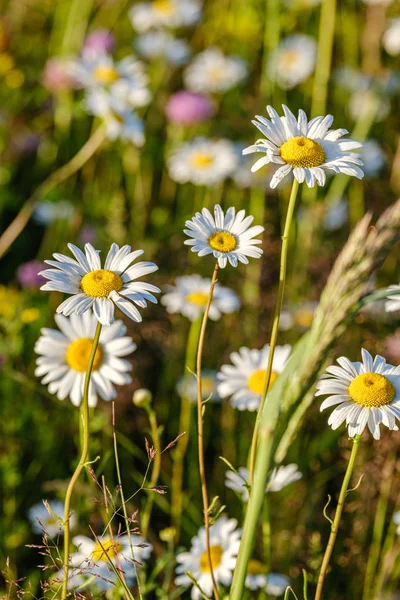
<point>123,502</point>
<point>337,518</point>
<point>184,425</point>
<point>257,491</point>
<point>21,220</point>
<point>84,416</point>
<point>200,429</point>
<point>275,326</point>
<point>155,434</point>
<point>326,37</point>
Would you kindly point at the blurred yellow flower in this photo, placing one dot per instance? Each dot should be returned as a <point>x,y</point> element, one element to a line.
<point>9,300</point>
<point>29,315</point>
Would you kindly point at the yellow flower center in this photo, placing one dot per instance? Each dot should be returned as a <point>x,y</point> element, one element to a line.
<point>256,567</point>
<point>207,386</point>
<point>197,298</point>
<point>107,548</point>
<point>372,389</point>
<point>99,283</point>
<point>105,74</point>
<point>216,73</point>
<point>78,353</point>
<point>223,241</point>
<point>164,7</point>
<point>302,152</point>
<point>201,160</point>
<point>216,555</point>
<point>257,379</point>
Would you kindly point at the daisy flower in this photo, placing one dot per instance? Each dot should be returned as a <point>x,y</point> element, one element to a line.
<point>374,158</point>
<point>101,289</point>
<point>364,393</point>
<point>228,237</point>
<point>277,584</point>
<point>165,13</point>
<point>279,479</point>
<point>126,80</point>
<point>51,522</point>
<point>242,175</point>
<point>95,555</point>
<point>119,120</point>
<point>189,297</point>
<point>202,161</point>
<point>393,303</point>
<point>391,38</point>
<point>337,215</point>
<point>224,542</point>
<point>187,386</point>
<point>211,71</point>
<point>244,380</point>
<point>64,356</point>
<point>293,61</point>
<point>162,44</point>
<point>309,149</point>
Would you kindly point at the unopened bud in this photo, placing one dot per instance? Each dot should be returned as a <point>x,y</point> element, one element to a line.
<point>142,397</point>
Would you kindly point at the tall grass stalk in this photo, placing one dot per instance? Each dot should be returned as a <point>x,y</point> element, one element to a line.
<point>184,425</point>
<point>344,294</point>
<point>155,435</point>
<point>84,416</point>
<point>326,35</point>
<point>21,220</point>
<point>337,518</point>
<point>200,438</point>
<point>275,325</point>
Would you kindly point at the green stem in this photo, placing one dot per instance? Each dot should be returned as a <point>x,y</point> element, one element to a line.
<point>84,414</point>
<point>326,36</point>
<point>275,326</point>
<point>184,425</point>
<point>338,516</point>
<point>200,435</point>
<point>121,492</point>
<point>21,220</point>
<point>156,469</point>
<point>263,430</point>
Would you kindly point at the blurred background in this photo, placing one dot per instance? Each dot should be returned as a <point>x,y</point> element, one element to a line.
<point>203,72</point>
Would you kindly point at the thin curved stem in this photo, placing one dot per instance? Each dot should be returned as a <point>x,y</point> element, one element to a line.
<point>184,425</point>
<point>155,436</point>
<point>338,516</point>
<point>21,220</point>
<point>84,415</point>
<point>275,325</point>
<point>200,437</point>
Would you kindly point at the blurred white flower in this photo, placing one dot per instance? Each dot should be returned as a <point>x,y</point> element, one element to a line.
<point>278,480</point>
<point>257,579</point>
<point>377,2</point>
<point>293,60</point>
<point>224,542</point>
<point>162,44</point>
<point>393,302</point>
<point>336,216</point>
<point>244,380</point>
<point>227,236</point>
<point>120,121</point>
<point>363,102</point>
<point>300,315</point>
<point>51,521</point>
<point>374,158</point>
<point>364,393</point>
<point>187,386</point>
<point>396,521</point>
<point>211,71</point>
<point>189,297</point>
<point>47,212</point>
<point>391,37</point>
<point>64,356</point>
<point>93,288</point>
<point>308,149</point>
<point>165,13</point>
<point>277,584</point>
<point>202,161</point>
<point>125,80</point>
